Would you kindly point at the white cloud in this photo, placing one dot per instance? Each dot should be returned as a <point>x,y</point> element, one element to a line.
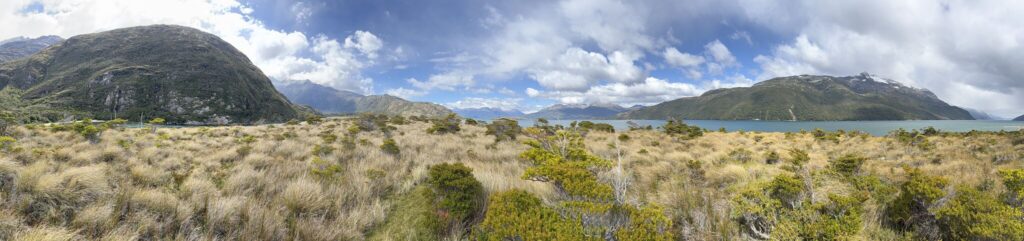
<point>365,42</point>
<point>650,91</point>
<point>445,81</point>
<point>283,55</point>
<point>679,59</point>
<point>721,55</point>
<point>302,11</point>
<point>477,102</point>
<point>967,52</point>
<point>405,93</point>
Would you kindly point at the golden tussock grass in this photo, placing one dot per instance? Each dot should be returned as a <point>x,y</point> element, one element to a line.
<point>211,184</point>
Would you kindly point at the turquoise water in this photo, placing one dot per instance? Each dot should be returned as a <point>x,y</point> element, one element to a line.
<point>877,128</point>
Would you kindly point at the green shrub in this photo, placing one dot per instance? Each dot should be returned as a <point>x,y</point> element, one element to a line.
<point>623,137</point>
<point>917,195</point>
<point>398,120</point>
<point>390,147</point>
<point>314,120</point>
<point>798,158</point>
<point>457,190</point>
<point>324,169</point>
<point>6,143</point>
<point>787,188</point>
<point>975,215</point>
<point>679,128</point>
<point>741,155</point>
<point>518,215</point>
<point>472,122</point>
<point>504,129</point>
<point>563,160</point>
<point>1013,179</point>
<point>847,165</point>
<point>446,125</point>
<point>7,120</point>
<point>157,121</point>
<point>772,157</point>
<point>370,122</point>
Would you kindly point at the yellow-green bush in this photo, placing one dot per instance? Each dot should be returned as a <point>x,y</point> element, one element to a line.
<point>504,129</point>
<point>562,159</point>
<point>457,190</point>
<point>976,215</point>
<point>447,125</point>
<point>917,194</point>
<point>518,215</point>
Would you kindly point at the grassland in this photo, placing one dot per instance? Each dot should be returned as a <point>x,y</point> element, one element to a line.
<point>331,181</point>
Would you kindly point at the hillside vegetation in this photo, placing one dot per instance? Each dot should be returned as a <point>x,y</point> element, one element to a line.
<point>807,97</point>
<point>181,73</point>
<point>376,177</point>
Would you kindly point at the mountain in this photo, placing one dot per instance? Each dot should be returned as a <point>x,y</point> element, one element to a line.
<point>809,97</point>
<point>980,115</point>
<point>487,113</point>
<point>333,101</point>
<point>1019,118</point>
<point>178,73</point>
<point>21,47</point>
<point>578,111</point>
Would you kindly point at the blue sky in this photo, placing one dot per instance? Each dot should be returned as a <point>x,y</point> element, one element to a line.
<point>530,54</point>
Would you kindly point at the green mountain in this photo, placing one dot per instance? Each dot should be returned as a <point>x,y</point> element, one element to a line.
<point>1019,118</point>
<point>807,97</point>
<point>21,47</point>
<point>181,74</point>
<point>578,112</point>
<point>333,101</point>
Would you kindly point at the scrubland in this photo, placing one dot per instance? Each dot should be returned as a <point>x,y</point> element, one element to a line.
<point>331,180</point>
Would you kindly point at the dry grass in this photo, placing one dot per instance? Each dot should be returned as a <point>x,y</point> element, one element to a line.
<point>206,184</point>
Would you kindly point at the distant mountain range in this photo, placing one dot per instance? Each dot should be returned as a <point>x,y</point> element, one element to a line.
<point>333,101</point>
<point>578,111</point>
<point>1019,118</point>
<point>809,97</point>
<point>178,73</point>
<point>487,113</point>
<point>21,47</point>
<point>981,115</point>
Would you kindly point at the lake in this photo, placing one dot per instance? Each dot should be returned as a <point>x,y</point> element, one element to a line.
<point>877,128</point>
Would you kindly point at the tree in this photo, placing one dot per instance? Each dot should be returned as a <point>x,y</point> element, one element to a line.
<point>504,129</point>
<point>447,125</point>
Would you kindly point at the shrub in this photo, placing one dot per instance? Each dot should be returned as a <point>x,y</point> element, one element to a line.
<point>472,122</point>
<point>504,129</point>
<point>623,137</point>
<point>741,155</point>
<point>788,189</point>
<point>390,147</point>
<point>314,120</point>
<point>1013,179</point>
<point>157,121</point>
<point>518,215</point>
<point>398,120</point>
<point>6,121</point>
<point>679,128</point>
<point>917,195</point>
<point>563,160</point>
<point>371,122</point>
<point>6,143</point>
<point>847,165</point>
<point>975,215</point>
<point>446,125</point>
<point>772,157</point>
<point>798,158</point>
<point>323,169</point>
<point>457,190</point>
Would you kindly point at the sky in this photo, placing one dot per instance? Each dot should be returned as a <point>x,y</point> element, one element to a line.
<point>530,54</point>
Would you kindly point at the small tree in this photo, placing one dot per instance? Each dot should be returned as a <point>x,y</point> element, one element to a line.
<point>458,191</point>
<point>390,147</point>
<point>504,129</point>
<point>673,127</point>
<point>6,122</point>
<point>446,125</point>
<point>155,122</point>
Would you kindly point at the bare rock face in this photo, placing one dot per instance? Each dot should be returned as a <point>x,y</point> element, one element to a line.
<point>177,73</point>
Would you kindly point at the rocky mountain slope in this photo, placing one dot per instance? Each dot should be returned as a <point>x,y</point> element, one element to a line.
<point>17,48</point>
<point>580,111</point>
<point>488,113</point>
<point>178,73</point>
<point>1019,118</point>
<point>333,101</point>
<point>808,97</point>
